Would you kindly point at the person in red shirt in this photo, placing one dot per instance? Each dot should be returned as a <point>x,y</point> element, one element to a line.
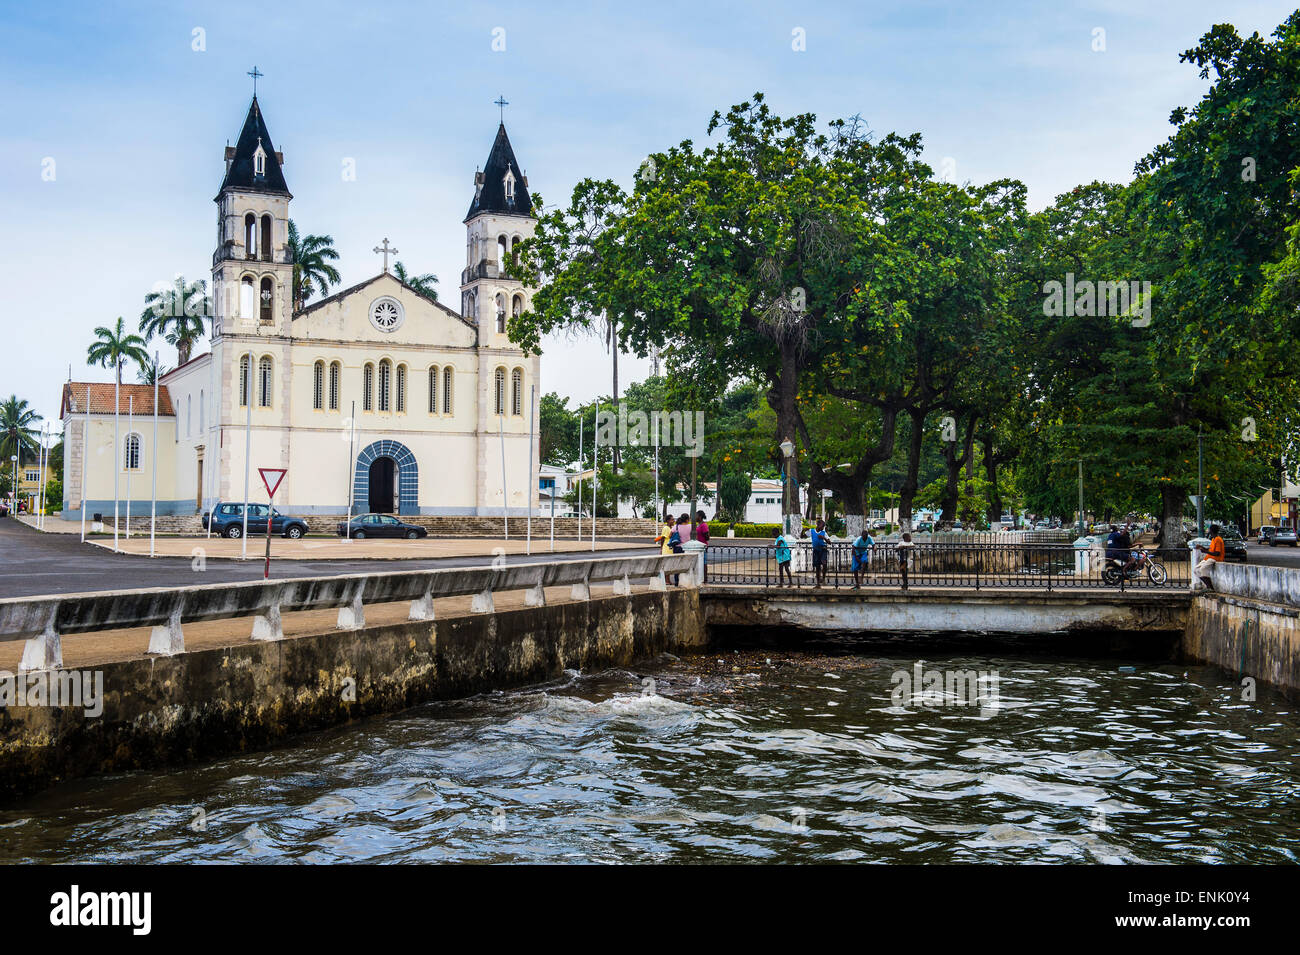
<point>1204,571</point>
<point>701,534</point>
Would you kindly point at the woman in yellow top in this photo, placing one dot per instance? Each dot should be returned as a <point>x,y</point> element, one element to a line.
<point>664,533</point>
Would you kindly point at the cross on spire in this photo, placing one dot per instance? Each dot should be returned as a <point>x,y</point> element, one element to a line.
<point>386,250</point>
<point>501,102</point>
<point>254,73</point>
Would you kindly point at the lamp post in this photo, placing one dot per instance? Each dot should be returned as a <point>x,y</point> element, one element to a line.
<point>14,459</point>
<point>1200,484</point>
<point>787,450</point>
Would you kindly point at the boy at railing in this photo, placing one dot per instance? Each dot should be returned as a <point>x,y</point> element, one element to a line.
<point>904,553</point>
<point>820,551</point>
<point>782,547</point>
<point>861,556</point>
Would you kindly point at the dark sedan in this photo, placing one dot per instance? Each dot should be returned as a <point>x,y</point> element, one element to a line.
<point>1234,547</point>
<point>380,525</point>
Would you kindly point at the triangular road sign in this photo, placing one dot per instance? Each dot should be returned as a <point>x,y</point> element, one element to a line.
<point>272,477</point>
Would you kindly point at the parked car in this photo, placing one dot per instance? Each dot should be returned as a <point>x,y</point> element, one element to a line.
<point>1264,532</point>
<point>1283,535</point>
<point>879,524</point>
<point>380,525</point>
<point>228,521</point>
<point>1234,546</point>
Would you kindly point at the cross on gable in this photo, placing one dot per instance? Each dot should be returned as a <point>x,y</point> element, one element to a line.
<point>502,103</point>
<point>254,73</point>
<point>386,250</point>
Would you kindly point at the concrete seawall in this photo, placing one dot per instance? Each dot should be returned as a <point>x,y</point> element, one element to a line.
<point>204,704</point>
<point>1250,624</point>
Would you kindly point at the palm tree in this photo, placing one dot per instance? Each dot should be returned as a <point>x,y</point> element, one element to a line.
<point>150,372</point>
<point>311,256</point>
<point>17,432</point>
<point>421,284</point>
<point>177,315</point>
<point>114,345</point>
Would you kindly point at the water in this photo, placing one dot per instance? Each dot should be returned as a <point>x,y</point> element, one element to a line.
<point>749,756</point>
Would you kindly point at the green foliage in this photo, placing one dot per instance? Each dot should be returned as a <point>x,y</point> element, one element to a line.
<point>112,346</point>
<point>176,315</point>
<point>313,272</point>
<point>421,284</point>
<point>733,494</point>
<point>19,433</point>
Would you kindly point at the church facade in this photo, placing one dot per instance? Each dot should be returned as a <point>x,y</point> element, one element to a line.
<point>375,397</point>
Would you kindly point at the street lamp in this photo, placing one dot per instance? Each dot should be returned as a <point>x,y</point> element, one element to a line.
<point>14,459</point>
<point>787,449</point>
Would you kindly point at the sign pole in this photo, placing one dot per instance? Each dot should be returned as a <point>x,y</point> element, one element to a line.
<point>117,448</point>
<point>595,471</point>
<point>352,489</point>
<point>505,499</point>
<point>130,430</point>
<point>580,461</point>
<point>532,476</point>
<point>85,463</point>
<point>267,474</point>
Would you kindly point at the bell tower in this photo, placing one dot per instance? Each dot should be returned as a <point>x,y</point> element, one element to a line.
<point>500,215</point>
<point>252,271</point>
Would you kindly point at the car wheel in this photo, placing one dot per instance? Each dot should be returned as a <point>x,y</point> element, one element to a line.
<point>358,535</point>
<point>293,533</point>
<point>412,535</point>
<point>235,531</point>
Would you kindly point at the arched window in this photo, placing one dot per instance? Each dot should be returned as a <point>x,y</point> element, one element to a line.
<point>266,238</point>
<point>401,389</point>
<point>502,257</point>
<point>385,385</point>
<point>499,393</point>
<point>318,386</point>
<point>268,300</point>
<point>517,392</point>
<point>264,382</point>
<point>247,298</point>
<point>447,392</point>
<point>131,452</point>
<point>501,312</point>
<point>433,389</point>
<point>517,306</point>
<point>368,388</point>
<point>250,236</point>
<point>244,383</point>
<point>335,370</point>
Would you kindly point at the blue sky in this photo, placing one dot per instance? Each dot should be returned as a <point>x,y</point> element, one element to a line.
<point>135,120</point>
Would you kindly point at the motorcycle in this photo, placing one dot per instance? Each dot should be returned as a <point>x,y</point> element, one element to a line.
<point>1114,570</point>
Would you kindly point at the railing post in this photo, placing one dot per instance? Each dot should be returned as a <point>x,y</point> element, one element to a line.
<point>352,615</point>
<point>44,652</point>
<point>482,601</point>
<point>535,596</point>
<point>169,639</point>
<point>422,606</point>
<point>267,625</point>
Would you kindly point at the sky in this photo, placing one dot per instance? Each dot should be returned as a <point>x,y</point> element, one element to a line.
<point>115,117</point>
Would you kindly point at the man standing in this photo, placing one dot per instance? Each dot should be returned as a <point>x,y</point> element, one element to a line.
<point>820,551</point>
<point>1203,573</point>
<point>861,556</point>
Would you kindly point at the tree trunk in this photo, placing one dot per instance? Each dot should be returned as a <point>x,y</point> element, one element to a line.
<point>908,491</point>
<point>613,347</point>
<point>1171,516</point>
<point>781,399</point>
<point>991,473</point>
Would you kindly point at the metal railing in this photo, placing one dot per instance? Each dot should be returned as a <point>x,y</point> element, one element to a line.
<point>43,621</point>
<point>944,564</point>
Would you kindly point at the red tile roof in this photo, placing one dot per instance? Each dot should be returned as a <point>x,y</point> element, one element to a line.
<point>137,398</point>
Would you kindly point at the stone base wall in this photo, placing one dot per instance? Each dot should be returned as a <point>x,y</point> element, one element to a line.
<point>1249,625</point>
<point>209,703</point>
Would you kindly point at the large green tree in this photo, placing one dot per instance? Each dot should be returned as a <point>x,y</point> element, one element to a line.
<point>176,314</point>
<point>18,432</point>
<point>313,271</point>
<point>114,345</point>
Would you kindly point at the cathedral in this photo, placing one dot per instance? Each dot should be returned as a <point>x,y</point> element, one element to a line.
<point>375,397</point>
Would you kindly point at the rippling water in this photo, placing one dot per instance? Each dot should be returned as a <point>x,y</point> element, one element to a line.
<point>742,756</point>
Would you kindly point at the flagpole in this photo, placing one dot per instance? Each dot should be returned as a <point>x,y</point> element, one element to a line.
<point>130,430</point>
<point>580,462</point>
<point>595,472</point>
<point>248,446</point>
<point>117,439</point>
<point>153,457</point>
<point>85,463</point>
<point>532,477</point>
<point>352,482</point>
<point>505,499</point>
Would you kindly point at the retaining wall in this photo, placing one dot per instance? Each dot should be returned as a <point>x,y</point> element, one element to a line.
<point>1250,624</point>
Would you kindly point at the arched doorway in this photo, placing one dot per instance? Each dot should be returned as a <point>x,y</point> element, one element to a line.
<point>387,479</point>
<point>383,486</point>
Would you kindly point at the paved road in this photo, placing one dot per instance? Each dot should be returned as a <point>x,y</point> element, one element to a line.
<point>33,564</point>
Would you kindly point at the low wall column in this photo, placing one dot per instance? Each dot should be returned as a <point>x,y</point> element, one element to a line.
<point>267,624</point>
<point>44,652</point>
<point>169,639</point>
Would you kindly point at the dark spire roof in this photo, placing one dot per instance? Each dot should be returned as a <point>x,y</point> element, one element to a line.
<point>240,171</point>
<point>492,196</point>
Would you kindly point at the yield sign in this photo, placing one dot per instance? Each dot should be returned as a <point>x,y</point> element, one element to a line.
<point>271,477</point>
